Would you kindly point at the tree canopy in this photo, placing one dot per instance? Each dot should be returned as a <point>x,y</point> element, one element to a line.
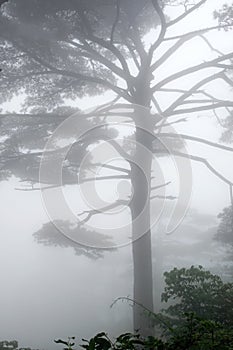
<point>199,291</point>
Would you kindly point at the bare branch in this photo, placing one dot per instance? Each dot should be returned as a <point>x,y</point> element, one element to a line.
<point>163,125</point>
<point>200,160</point>
<point>101,178</point>
<point>171,198</point>
<point>120,150</point>
<point>162,29</point>
<point>213,98</point>
<point>199,109</point>
<point>186,13</point>
<point>113,167</point>
<point>36,188</point>
<point>173,90</point>
<point>199,101</point>
<point>193,69</point>
<point>218,119</point>
<point>160,186</point>
<point>227,79</point>
<point>81,181</point>
<point>195,89</point>
<point>197,139</point>
<point>91,213</point>
<point>210,46</point>
<point>156,104</point>
<point>182,40</point>
<point>198,31</point>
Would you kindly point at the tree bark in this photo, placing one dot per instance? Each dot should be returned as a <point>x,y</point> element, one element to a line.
<point>140,213</point>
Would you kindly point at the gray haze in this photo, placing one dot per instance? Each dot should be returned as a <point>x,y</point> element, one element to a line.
<point>50,292</point>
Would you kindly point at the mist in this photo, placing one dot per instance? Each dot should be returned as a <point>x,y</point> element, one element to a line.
<point>101,155</point>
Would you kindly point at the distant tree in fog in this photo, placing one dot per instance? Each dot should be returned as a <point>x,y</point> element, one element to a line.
<point>198,291</point>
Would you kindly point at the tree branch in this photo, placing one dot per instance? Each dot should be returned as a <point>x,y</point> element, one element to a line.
<point>198,31</point>
<point>116,20</point>
<point>135,37</point>
<point>113,167</point>
<point>133,55</point>
<point>210,46</point>
<point>193,69</point>
<point>96,56</point>
<point>162,29</point>
<point>120,150</point>
<point>91,213</point>
<point>200,160</point>
<point>227,80</point>
<point>199,109</point>
<point>107,45</point>
<point>160,186</point>
<point>81,77</point>
<point>197,139</point>
<point>186,13</point>
<point>188,93</point>
<point>82,180</point>
<point>171,198</point>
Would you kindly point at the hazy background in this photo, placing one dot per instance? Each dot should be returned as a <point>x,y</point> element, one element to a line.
<point>50,292</point>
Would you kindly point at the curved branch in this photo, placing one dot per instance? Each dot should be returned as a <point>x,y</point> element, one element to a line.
<point>188,93</point>
<point>162,30</point>
<point>199,109</point>
<point>96,56</point>
<point>193,69</point>
<point>160,186</point>
<point>131,51</point>
<point>200,160</point>
<point>122,92</point>
<point>135,37</point>
<point>186,13</point>
<point>120,150</point>
<point>209,45</point>
<point>103,43</point>
<point>113,167</point>
<point>91,213</point>
<point>101,178</point>
<point>197,139</point>
<point>198,31</point>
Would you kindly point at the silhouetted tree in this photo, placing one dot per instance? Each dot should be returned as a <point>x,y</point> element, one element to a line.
<point>225,228</point>
<point>57,49</point>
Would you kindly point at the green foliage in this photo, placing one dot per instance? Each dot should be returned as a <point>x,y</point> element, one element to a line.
<point>200,334</point>
<point>13,344</point>
<point>69,343</point>
<point>126,341</point>
<point>201,319</point>
<point>199,291</point>
<point>194,334</point>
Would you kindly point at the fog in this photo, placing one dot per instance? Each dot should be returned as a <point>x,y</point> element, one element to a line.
<point>53,287</point>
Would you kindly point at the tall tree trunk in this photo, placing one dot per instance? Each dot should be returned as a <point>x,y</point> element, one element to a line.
<point>140,212</point>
